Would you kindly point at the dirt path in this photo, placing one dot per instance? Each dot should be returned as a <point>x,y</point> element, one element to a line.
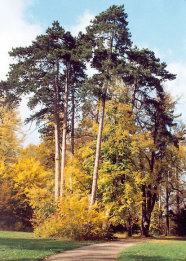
<point>103,251</point>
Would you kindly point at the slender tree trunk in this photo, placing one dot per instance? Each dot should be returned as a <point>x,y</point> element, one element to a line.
<point>148,202</point>
<point>99,137</point>
<point>97,112</point>
<point>151,200</point>
<point>72,129</point>
<point>134,96</point>
<point>160,214</point>
<point>57,134</point>
<point>72,120</point>
<point>177,203</point>
<point>57,155</point>
<point>63,155</point>
<point>129,227</point>
<point>144,221</point>
<point>98,149</point>
<point>177,195</point>
<point>167,211</point>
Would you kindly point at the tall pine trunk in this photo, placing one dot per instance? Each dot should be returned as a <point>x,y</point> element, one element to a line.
<point>57,154</point>
<point>144,221</point>
<point>99,137</point>
<point>97,112</point>
<point>57,133</point>
<point>72,129</point>
<point>148,202</point>
<point>98,149</point>
<point>177,195</point>
<point>167,211</point>
<point>63,154</point>
<point>160,213</point>
<point>72,119</point>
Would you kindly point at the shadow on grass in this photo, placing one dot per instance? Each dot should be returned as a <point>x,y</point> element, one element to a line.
<point>39,244</point>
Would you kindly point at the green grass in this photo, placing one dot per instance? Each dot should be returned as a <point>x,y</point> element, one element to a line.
<point>24,246</point>
<point>156,250</point>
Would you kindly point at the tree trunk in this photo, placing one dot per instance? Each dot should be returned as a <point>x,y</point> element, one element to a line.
<point>129,227</point>
<point>98,149</point>
<point>167,211</point>
<point>177,203</point>
<point>63,155</point>
<point>160,215</point>
<point>134,96</point>
<point>57,134</point>
<point>57,155</point>
<point>144,221</point>
<point>177,195</point>
<point>72,129</point>
<point>149,198</point>
<point>148,202</point>
<point>97,112</point>
<point>72,120</point>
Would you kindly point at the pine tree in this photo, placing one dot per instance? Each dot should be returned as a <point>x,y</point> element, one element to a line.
<point>110,39</point>
<point>153,113</point>
<point>44,69</point>
<point>38,72</point>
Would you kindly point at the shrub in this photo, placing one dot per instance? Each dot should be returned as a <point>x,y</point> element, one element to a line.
<point>74,220</point>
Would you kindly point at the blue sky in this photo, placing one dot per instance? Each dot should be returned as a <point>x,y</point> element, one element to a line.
<point>159,25</point>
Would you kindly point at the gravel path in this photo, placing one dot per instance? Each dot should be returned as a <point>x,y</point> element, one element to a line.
<point>103,251</point>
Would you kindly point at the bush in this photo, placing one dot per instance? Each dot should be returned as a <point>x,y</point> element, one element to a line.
<point>74,220</point>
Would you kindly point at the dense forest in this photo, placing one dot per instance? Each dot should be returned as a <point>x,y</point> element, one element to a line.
<point>112,151</point>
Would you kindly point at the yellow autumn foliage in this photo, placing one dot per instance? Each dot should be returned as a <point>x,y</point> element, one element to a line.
<point>74,220</point>
<point>28,173</point>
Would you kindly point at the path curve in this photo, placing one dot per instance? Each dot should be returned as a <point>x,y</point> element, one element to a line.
<point>99,252</point>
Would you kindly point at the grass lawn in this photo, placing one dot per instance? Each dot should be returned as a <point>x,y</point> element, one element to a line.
<point>155,250</point>
<point>24,246</point>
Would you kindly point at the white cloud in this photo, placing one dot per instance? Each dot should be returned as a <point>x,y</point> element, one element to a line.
<point>177,88</point>
<point>14,30</point>
<point>82,22</point>
<point>31,130</point>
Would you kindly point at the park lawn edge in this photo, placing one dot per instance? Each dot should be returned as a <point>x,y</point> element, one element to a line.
<point>156,249</point>
<point>24,246</point>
